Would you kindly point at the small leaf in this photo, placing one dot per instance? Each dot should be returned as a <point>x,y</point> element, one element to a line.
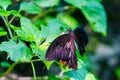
<point>38,51</point>
<point>46,3</point>
<point>48,64</point>
<point>15,27</point>
<point>68,20</point>
<point>90,76</point>
<point>5,64</point>
<point>30,8</point>
<point>16,13</point>
<point>1,28</point>
<point>95,14</point>
<point>17,51</point>
<point>5,3</point>
<point>4,13</point>
<point>3,33</point>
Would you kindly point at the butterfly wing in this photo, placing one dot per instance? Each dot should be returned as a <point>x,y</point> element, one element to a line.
<point>59,48</point>
<point>81,39</point>
<point>63,48</point>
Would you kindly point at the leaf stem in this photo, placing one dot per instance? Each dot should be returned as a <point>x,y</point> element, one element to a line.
<point>5,19</point>
<point>12,19</point>
<point>33,68</point>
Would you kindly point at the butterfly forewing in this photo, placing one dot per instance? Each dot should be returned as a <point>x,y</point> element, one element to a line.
<point>57,50</point>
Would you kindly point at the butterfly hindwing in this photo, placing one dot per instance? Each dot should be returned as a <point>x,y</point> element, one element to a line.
<point>81,39</point>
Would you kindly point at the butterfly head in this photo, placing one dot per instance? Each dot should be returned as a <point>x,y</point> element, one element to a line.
<point>69,30</point>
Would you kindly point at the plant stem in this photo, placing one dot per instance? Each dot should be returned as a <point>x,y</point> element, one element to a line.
<point>5,19</point>
<point>9,69</point>
<point>12,19</point>
<point>43,13</point>
<point>33,68</point>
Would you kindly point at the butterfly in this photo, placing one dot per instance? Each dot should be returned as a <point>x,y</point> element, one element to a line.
<point>64,47</point>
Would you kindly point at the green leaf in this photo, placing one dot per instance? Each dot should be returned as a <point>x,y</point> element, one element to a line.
<point>89,76</point>
<point>77,74</point>
<point>48,64</point>
<point>29,31</point>
<point>1,28</point>
<point>94,13</point>
<point>38,51</point>
<point>47,3</point>
<point>30,8</point>
<point>5,64</point>
<point>4,13</point>
<point>44,32</point>
<point>117,72</point>
<point>17,51</point>
<point>16,13</point>
<point>3,33</point>
<point>80,74</point>
<point>68,20</point>
<point>55,77</point>
<point>55,27</point>
<point>15,27</point>
<point>5,3</point>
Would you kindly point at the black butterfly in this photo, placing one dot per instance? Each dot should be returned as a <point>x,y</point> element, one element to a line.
<point>63,47</point>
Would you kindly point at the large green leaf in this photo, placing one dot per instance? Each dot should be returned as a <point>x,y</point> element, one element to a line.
<point>30,8</point>
<point>94,13</point>
<point>29,31</point>
<point>46,3</point>
<point>5,3</point>
<point>81,73</point>
<point>56,27</point>
<point>17,51</point>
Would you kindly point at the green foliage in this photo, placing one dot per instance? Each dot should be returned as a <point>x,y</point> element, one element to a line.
<point>5,3</point>
<point>5,64</point>
<point>29,7</point>
<point>4,13</point>
<point>55,28</point>
<point>39,28</point>
<point>2,32</point>
<point>67,20</point>
<point>17,51</point>
<point>94,13</point>
<point>29,31</point>
<point>47,3</point>
<point>81,73</point>
<point>117,72</point>
<point>52,77</point>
